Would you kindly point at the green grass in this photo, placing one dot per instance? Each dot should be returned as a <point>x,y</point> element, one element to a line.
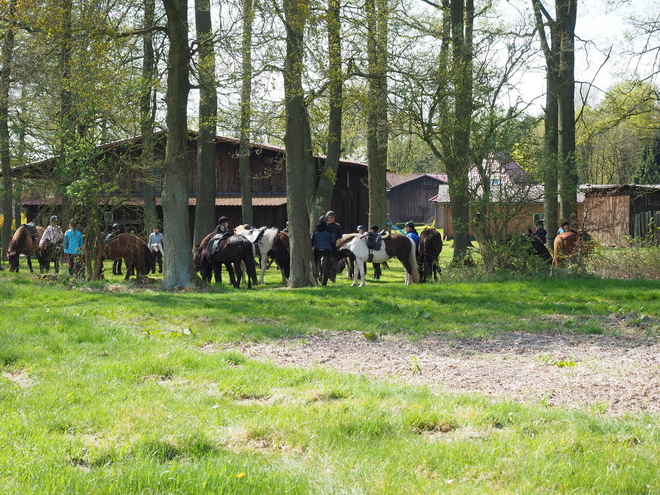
<point>113,388</point>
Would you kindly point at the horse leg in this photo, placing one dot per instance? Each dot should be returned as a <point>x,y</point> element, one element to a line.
<point>29,264</point>
<point>264,266</point>
<point>232,279</point>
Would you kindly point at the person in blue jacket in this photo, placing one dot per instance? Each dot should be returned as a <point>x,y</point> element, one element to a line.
<point>73,245</point>
<point>323,240</point>
<point>412,233</point>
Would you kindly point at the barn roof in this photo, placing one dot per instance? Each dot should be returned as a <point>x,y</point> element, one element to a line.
<point>394,180</point>
<point>41,168</point>
<point>257,201</point>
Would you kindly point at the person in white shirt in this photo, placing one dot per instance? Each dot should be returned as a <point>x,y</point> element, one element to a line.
<point>156,246</point>
<point>51,244</point>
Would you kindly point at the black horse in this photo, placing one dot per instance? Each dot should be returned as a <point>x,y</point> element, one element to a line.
<point>430,247</point>
<point>214,251</point>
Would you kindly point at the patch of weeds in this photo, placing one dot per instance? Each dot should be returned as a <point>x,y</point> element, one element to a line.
<point>566,362</point>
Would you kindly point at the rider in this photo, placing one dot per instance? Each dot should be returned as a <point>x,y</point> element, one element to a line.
<point>223,225</point>
<point>360,229</point>
<point>156,246</point>
<point>334,227</point>
<point>412,233</point>
<point>541,233</point>
<point>73,244</point>
<point>323,241</point>
<point>53,236</point>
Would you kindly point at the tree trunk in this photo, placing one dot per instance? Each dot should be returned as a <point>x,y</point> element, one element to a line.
<point>377,125</point>
<point>457,168</point>
<point>178,267</point>
<point>568,177</point>
<point>147,116</point>
<point>299,164</point>
<point>328,178</point>
<point>247,211</point>
<point>5,82</point>
<point>205,219</point>
<point>550,49</point>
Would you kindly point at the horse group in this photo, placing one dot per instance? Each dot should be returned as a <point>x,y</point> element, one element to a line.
<point>237,252</point>
<point>419,261</point>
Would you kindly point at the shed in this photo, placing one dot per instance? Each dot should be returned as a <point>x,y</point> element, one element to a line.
<point>615,213</point>
<point>408,196</point>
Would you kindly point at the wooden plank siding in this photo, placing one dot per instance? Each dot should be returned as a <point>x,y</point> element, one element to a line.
<point>267,164</point>
<point>408,200</point>
<point>617,213</point>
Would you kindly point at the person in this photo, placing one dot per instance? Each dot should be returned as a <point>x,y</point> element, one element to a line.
<point>377,271</point>
<point>360,229</point>
<point>156,246</point>
<point>563,227</point>
<point>541,233</point>
<point>50,243</point>
<point>73,244</point>
<point>412,233</point>
<point>115,230</point>
<point>332,224</point>
<point>223,226</point>
<point>374,228</point>
<point>324,241</point>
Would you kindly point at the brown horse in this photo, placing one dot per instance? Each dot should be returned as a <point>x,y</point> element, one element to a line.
<point>22,242</point>
<point>134,251</point>
<point>280,253</point>
<point>354,246</point>
<point>571,243</point>
<point>230,251</point>
<point>430,247</point>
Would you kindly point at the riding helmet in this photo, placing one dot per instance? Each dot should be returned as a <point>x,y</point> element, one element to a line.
<point>54,219</point>
<point>116,226</point>
<point>331,214</point>
<point>360,227</point>
<point>222,219</point>
<point>410,224</point>
<point>374,228</point>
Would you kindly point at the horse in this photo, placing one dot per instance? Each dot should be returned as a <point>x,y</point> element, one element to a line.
<point>430,247</point>
<point>262,241</point>
<point>571,243</point>
<point>281,253</point>
<point>537,247</point>
<point>23,242</point>
<point>133,250</point>
<point>354,246</point>
<point>230,251</point>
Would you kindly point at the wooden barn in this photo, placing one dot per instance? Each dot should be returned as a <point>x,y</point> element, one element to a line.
<point>408,197</point>
<point>350,197</point>
<point>616,213</point>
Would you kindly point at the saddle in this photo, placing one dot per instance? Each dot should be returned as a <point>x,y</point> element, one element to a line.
<point>373,242</point>
<point>215,241</point>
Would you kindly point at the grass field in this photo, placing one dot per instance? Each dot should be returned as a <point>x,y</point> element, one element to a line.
<point>111,388</point>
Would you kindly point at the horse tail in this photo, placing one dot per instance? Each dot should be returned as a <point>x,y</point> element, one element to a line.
<point>412,259</point>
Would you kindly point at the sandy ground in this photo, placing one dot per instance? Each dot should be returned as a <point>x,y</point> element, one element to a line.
<point>613,374</point>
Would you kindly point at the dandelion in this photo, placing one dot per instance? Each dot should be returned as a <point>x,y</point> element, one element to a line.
<point>240,475</point>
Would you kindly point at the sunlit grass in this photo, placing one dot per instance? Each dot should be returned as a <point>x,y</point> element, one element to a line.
<point>115,388</point>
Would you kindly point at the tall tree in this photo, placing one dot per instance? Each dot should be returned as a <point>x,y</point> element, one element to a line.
<point>5,84</point>
<point>247,212</point>
<point>147,114</point>
<point>377,12</point>
<point>299,164</point>
<point>323,194</point>
<point>560,107</point>
<point>208,113</point>
<point>179,271</point>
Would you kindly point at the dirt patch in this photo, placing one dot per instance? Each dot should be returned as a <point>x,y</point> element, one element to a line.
<point>612,374</point>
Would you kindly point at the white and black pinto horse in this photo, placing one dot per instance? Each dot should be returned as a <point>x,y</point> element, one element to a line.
<point>355,247</point>
<point>267,244</point>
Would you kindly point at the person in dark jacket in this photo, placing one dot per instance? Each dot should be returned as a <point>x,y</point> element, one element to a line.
<point>334,227</point>
<point>324,241</point>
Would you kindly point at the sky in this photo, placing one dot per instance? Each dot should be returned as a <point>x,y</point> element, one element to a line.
<point>601,25</point>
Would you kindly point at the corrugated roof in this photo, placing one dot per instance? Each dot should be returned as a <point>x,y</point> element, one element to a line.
<point>260,201</point>
<point>394,180</point>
